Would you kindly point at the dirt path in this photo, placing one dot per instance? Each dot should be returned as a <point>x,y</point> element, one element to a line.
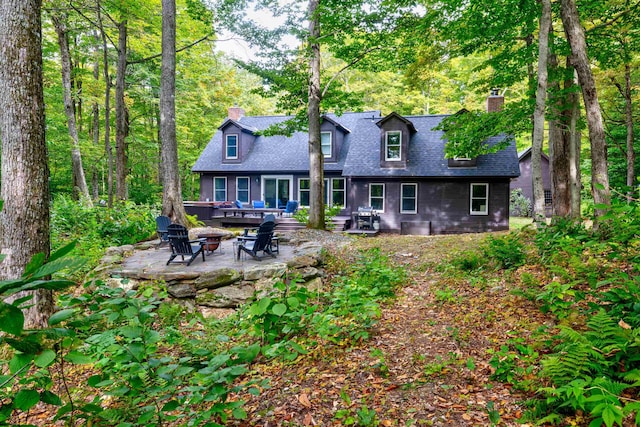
<point>427,362</point>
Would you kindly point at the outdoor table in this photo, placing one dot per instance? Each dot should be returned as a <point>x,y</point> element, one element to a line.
<point>210,241</point>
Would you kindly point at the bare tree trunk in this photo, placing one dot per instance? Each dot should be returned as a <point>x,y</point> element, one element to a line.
<point>316,159</point>
<point>121,115</point>
<point>172,191</point>
<point>24,220</point>
<point>559,149</point>
<point>628,113</point>
<point>538,114</point>
<point>579,59</point>
<point>107,106</point>
<point>575,143</point>
<point>59,22</point>
<point>95,126</point>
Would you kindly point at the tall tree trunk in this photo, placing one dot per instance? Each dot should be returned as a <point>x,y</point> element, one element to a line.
<point>121,114</point>
<point>107,106</point>
<point>575,145</point>
<point>538,114</point>
<point>171,188</point>
<point>59,22</point>
<point>559,147</point>
<point>24,220</point>
<point>316,159</point>
<point>628,119</point>
<point>579,59</point>
<point>95,125</point>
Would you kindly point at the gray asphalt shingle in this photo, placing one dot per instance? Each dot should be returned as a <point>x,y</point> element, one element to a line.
<point>360,154</point>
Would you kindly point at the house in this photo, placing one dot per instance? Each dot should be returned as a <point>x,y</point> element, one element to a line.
<point>525,182</point>
<point>394,164</point>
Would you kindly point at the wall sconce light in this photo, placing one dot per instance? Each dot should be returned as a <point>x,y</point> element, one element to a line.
<point>257,180</point>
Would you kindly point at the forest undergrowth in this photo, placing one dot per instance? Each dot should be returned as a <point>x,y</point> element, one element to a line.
<point>527,327</point>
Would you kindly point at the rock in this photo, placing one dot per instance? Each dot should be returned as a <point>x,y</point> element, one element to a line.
<point>111,259</point>
<point>182,290</point>
<point>314,285</point>
<point>306,273</point>
<point>265,271</point>
<point>303,261</point>
<point>216,313</point>
<point>226,297</point>
<point>263,287</point>
<point>122,283</point>
<point>120,250</point>
<point>217,278</point>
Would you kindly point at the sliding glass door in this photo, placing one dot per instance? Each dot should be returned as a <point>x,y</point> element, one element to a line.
<point>276,190</point>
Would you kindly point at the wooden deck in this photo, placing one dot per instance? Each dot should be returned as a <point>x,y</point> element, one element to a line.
<point>340,223</point>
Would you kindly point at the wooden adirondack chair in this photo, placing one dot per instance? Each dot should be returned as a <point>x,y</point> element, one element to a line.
<point>162,222</point>
<point>260,242</point>
<point>181,245</point>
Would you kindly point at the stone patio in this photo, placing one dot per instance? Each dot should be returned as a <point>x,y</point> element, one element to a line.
<point>221,281</point>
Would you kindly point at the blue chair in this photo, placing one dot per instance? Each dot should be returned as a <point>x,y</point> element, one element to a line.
<point>238,204</point>
<point>258,204</point>
<point>291,208</point>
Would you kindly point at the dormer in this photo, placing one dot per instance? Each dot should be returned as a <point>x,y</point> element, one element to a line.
<point>237,138</point>
<point>332,136</point>
<point>395,134</point>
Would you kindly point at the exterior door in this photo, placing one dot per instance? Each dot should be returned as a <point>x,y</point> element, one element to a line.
<point>277,191</point>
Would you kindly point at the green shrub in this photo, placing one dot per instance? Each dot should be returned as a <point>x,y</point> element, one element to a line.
<point>506,251</point>
<point>519,205</point>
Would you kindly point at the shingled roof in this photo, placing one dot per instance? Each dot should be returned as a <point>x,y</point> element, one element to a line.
<point>360,153</point>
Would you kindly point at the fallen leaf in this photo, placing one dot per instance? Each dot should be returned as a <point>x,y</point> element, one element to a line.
<point>304,400</point>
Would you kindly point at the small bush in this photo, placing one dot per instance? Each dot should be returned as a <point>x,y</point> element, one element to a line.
<point>519,205</point>
<point>506,251</point>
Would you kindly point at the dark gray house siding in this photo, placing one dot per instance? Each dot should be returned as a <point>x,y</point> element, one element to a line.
<point>525,183</point>
<point>443,206</point>
<point>415,188</point>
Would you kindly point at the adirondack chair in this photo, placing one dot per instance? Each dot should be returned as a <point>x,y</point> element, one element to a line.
<point>259,242</point>
<point>181,246</point>
<point>162,222</point>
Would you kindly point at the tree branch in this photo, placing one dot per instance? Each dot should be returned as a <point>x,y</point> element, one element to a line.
<point>158,55</point>
<point>346,67</point>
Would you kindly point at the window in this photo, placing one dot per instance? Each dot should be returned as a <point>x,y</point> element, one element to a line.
<point>232,147</point>
<point>219,189</point>
<point>547,198</point>
<point>334,192</point>
<point>325,142</point>
<point>304,191</point>
<point>376,197</point>
<point>479,199</point>
<point>242,189</point>
<point>409,202</point>
<point>393,145</point>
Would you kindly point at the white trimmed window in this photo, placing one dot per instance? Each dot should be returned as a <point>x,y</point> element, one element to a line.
<point>242,189</point>
<point>231,146</point>
<point>393,145</point>
<point>376,197</point>
<point>409,195</point>
<point>325,142</point>
<point>219,189</point>
<point>334,192</point>
<point>304,191</point>
<point>479,199</point>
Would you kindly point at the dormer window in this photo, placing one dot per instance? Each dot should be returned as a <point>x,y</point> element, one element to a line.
<point>325,141</point>
<point>231,146</point>
<point>393,145</point>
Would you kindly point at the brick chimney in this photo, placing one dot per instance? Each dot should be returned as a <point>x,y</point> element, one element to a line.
<point>235,113</point>
<point>495,101</point>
